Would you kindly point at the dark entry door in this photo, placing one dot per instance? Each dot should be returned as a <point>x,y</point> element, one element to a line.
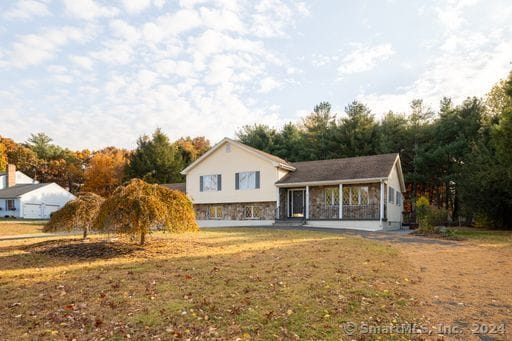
<point>296,203</point>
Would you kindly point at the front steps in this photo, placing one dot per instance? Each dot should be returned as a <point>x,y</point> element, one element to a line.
<point>289,223</point>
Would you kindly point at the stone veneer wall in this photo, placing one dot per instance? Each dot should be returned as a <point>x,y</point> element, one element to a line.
<point>318,209</point>
<point>236,211</point>
<point>283,203</point>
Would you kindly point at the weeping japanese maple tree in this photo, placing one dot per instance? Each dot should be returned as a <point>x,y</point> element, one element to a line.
<point>138,208</point>
<point>79,213</point>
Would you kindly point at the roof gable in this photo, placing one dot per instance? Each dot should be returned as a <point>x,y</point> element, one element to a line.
<point>19,190</point>
<point>276,161</point>
<point>353,168</point>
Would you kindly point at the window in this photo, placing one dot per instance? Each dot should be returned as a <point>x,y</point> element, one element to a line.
<point>247,180</point>
<point>215,212</point>
<point>332,196</point>
<point>363,195</point>
<point>356,195</point>
<point>391,195</point>
<point>398,198</point>
<point>208,183</point>
<point>9,204</point>
<point>252,212</point>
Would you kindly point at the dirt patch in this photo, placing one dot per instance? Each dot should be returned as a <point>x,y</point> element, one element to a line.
<point>83,248</point>
<point>102,249</point>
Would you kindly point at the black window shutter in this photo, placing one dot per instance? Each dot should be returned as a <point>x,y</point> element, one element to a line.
<point>257,179</point>
<point>201,183</point>
<point>237,180</point>
<point>219,182</point>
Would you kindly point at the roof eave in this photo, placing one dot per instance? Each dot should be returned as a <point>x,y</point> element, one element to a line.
<point>283,166</point>
<point>331,182</point>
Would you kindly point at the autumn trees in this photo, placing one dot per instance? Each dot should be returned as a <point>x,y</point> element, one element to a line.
<point>80,213</point>
<point>138,207</point>
<point>106,171</point>
<point>156,160</point>
<point>134,209</point>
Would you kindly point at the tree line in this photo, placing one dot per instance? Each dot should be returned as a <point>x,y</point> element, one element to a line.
<point>155,160</point>
<point>459,157</point>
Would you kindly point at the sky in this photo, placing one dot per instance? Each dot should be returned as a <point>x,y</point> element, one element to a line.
<point>93,73</point>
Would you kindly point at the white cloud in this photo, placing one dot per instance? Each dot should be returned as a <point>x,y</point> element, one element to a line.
<point>198,64</point>
<point>159,3</point>
<point>273,17</point>
<point>168,26</point>
<point>33,49</point>
<point>466,61</point>
<point>268,84</point>
<point>136,6</point>
<point>82,61</point>
<point>121,29</point>
<point>221,20</point>
<point>88,9</point>
<point>26,9</point>
<point>364,58</point>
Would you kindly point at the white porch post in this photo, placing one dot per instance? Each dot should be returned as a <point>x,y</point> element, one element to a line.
<point>340,204</point>
<point>307,202</point>
<point>381,201</point>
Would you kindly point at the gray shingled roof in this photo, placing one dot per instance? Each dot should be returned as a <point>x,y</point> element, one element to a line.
<point>180,186</point>
<point>19,190</point>
<point>361,167</point>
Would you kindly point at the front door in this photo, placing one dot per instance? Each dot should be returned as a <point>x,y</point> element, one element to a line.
<point>296,203</point>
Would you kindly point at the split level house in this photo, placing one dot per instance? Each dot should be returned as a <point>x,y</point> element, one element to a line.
<point>236,185</point>
<point>23,197</point>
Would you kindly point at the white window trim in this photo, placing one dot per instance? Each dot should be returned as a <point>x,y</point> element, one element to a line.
<point>216,209</point>
<point>252,185</point>
<point>359,195</point>
<point>330,195</point>
<point>211,176</point>
<point>252,217</point>
<point>13,205</point>
<point>391,195</point>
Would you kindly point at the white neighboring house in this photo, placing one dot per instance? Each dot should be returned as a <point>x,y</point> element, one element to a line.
<point>237,185</point>
<point>23,197</point>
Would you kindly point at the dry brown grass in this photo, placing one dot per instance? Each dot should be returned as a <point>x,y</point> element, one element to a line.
<point>218,283</point>
<point>248,283</point>
<point>16,227</point>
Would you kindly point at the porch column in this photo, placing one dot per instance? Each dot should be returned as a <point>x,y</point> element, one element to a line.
<point>340,204</point>
<point>307,202</point>
<point>381,201</point>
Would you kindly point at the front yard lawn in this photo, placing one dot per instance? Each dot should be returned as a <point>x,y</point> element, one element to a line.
<point>11,227</point>
<point>250,283</point>
<point>233,283</point>
<point>482,235</point>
